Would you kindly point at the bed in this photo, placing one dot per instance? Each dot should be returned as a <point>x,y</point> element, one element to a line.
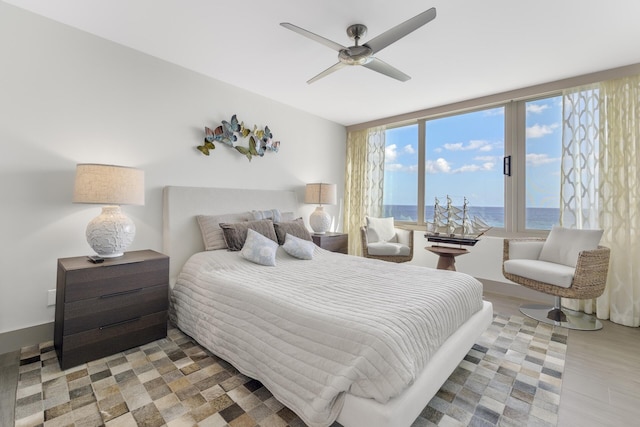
<point>375,376</point>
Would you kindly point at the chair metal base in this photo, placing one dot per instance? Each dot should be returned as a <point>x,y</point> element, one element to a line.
<point>561,317</point>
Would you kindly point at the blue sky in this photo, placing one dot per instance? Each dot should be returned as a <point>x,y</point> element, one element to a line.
<point>464,158</point>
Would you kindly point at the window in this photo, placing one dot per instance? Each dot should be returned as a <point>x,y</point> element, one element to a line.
<point>543,142</point>
<point>400,193</point>
<point>462,158</point>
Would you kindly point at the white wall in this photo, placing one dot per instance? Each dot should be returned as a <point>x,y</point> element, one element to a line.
<point>67,97</point>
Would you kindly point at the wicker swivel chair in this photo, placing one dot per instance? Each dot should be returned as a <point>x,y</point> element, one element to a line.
<point>399,251</point>
<point>584,281</point>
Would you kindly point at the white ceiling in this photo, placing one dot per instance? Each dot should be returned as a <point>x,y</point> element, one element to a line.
<point>473,48</point>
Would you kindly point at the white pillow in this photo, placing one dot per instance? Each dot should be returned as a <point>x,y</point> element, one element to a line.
<point>381,230</point>
<point>259,249</point>
<point>563,245</point>
<point>298,248</point>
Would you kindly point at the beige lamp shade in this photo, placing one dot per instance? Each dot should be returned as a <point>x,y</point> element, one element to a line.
<point>111,232</point>
<point>108,185</point>
<point>320,194</point>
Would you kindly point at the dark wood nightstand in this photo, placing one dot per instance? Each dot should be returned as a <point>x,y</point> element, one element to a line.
<point>334,242</point>
<point>102,309</point>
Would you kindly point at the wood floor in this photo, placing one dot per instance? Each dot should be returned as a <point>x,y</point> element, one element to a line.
<point>601,385</point>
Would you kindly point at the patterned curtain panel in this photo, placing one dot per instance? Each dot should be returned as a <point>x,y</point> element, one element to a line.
<point>620,198</point>
<point>364,180</point>
<point>579,171</point>
<point>601,187</point>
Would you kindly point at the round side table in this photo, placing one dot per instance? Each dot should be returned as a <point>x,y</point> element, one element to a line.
<point>447,256</point>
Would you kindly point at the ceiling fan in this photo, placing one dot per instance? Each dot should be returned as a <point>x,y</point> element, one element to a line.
<point>363,54</point>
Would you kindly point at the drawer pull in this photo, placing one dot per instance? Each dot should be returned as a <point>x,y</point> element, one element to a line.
<point>111,325</point>
<point>117,294</point>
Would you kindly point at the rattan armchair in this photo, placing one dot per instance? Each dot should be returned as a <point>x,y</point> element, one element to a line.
<point>588,281</point>
<point>405,238</point>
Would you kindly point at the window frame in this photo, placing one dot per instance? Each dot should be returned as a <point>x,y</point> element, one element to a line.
<point>514,146</point>
<point>548,89</point>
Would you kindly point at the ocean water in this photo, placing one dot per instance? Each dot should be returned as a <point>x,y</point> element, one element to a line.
<point>536,219</point>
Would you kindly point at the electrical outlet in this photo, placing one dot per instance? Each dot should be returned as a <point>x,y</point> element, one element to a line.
<point>51,297</point>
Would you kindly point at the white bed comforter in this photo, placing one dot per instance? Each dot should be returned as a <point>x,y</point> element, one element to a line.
<point>313,330</point>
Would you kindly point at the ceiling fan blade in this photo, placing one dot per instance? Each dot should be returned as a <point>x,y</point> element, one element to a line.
<point>334,67</point>
<point>399,31</point>
<point>386,69</point>
<point>333,45</point>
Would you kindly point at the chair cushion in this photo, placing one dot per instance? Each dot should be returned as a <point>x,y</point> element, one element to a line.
<point>381,230</point>
<point>541,271</point>
<point>525,249</point>
<point>563,245</point>
<point>387,249</point>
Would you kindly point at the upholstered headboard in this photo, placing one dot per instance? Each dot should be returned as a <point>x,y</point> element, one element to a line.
<point>181,236</point>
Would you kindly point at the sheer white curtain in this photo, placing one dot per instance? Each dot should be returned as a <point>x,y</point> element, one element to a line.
<point>601,186</point>
<point>364,181</point>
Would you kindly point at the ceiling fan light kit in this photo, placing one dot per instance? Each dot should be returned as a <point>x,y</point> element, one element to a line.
<point>363,54</point>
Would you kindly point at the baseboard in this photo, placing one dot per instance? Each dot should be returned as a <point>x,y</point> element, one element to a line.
<point>516,291</point>
<point>15,340</point>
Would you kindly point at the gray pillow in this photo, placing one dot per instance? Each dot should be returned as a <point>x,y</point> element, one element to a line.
<point>296,228</point>
<point>212,235</point>
<point>235,234</point>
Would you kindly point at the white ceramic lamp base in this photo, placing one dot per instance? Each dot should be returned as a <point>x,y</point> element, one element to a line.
<point>111,232</point>
<point>320,221</point>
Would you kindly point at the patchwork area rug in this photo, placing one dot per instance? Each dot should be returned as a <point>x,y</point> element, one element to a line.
<point>511,377</point>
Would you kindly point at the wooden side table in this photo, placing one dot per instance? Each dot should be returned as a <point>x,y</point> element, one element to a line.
<point>447,256</point>
<point>102,309</point>
<point>334,242</point>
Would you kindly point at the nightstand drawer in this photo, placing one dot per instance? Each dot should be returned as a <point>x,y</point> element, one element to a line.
<point>115,307</point>
<point>110,279</point>
<point>112,338</point>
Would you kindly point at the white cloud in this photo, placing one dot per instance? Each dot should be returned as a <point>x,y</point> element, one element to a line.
<point>393,167</point>
<point>443,166</point>
<point>494,112</point>
<point>399,167</point>
<point>535,159</point>
<point>474,144</point>
<point>438,166</point>
<point>536,108</point>
<point>485,158</point>
<point>390,153</point>
<point>466,168</point>
<point>454,146</point>
<point>487,166</point>
<point>538,131</point>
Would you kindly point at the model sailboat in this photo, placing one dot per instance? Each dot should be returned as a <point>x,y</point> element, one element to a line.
<point>454,225</point>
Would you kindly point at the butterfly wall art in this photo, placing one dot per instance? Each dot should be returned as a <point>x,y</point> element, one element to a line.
<point>230,132</point>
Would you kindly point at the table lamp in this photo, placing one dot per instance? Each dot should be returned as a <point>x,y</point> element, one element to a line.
<point>320,194</point>
<point>111,232</point>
